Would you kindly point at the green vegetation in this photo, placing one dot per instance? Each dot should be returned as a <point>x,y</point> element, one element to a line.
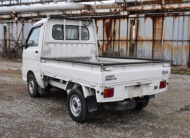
<point>180,71</point>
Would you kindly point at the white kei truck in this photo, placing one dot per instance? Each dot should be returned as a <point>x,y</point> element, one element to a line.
<point>62,52</point>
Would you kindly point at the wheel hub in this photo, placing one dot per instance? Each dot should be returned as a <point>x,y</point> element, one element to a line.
<point>31,86</point>
<point>75,105</point>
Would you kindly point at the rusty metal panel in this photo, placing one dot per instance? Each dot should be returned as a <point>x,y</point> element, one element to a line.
<point>177,50</point>
<point>145,28</point>
<point>123,28</point>
<point>99,29</point>
<point>144,38</point>
<point>115,29</point>
<point>123,37</point>
<point>144,49</point>
<point>167,51</point>
<point>100,47</point>
<point>123,48</point>
<point>167,37</point>
<point>180,27</point>
<point>186,35</point>
<point>107,48</point>
<point>141,29</point>
<point>148,28</point>
<point>157,37</point>
<point>157,50</point>
<point>158,28</point>
<point>116,48</point>
<point>107,29</point>
<point>177,37</point>
<point>168,28</point>
<point>185,51</point>
<point>186,30</point>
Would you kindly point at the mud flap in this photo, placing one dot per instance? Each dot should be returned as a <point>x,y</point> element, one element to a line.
<point>92,103</point>
<point>42,91</point>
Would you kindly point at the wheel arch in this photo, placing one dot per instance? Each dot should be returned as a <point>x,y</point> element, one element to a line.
<point>87,91</point>
<point>38,79</point>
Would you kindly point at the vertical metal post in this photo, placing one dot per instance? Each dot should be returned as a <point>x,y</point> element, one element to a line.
<point>162,2</point>
<point>163,35</point>
<point>5,40</point>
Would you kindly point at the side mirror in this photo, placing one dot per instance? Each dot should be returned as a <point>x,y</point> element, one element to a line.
<point>23,43</point>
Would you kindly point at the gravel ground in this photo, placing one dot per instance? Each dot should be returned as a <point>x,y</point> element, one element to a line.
<point>168,115</point>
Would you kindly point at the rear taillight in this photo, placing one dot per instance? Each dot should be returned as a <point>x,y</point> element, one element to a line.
<point>108,93</point>
<point>163,84</point>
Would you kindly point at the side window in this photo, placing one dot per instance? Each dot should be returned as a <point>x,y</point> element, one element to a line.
<point>72,32</point>
<point>84,33</point>
<point>58,32</point>
<point>33,39</point>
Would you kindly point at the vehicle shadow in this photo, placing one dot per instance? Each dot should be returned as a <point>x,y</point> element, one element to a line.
<point>101,116</point>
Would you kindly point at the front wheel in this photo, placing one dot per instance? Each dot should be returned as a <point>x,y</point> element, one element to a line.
<point>33,86</point>
<point>77,105</point>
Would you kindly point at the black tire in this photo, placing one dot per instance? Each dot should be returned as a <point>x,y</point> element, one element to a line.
<point>77,116</point>
<point>142,102</point>
<point>33,86</point>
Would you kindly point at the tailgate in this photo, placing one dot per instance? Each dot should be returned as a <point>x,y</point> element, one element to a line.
<point>135,73</point>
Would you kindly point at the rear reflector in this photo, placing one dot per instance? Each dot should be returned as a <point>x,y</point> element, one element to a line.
<point>162,84</point>
<point>108,93</point>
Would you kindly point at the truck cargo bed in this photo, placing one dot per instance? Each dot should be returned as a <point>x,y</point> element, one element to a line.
<point>109,61</point>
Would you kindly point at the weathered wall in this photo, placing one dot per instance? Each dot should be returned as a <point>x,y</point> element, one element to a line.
<point>16,31</point>
<point>155,36</point>
<point>141,36</point>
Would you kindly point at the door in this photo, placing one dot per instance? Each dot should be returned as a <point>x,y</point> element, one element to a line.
<point>31,53</point>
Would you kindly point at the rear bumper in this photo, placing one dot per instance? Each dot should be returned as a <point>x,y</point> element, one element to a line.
<point>127,104</point>
<point>130,91</point>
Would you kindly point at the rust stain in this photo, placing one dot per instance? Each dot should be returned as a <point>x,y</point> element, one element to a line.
<point>157,28</point>
<point>168,46</point>
<point>100,47</point>
<point>157,37</point>
<point>107,29</point>
<point>186,48</point>
<point>123,48</point>
<point>88,7</point>
<point>172,1</point>
<point>139,37</point>
<point>157,50</point>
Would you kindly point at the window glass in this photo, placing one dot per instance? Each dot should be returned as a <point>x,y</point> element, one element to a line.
<point>34,37</point>
<point>58,32</point>
<point>84,33</point>
<point>72,32</point>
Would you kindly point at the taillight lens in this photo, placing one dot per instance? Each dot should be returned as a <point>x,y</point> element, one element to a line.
<point>108,93</point>
<point>162,84</point>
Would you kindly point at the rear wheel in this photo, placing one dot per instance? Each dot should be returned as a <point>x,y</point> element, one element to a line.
<point>142,102</point>
<point>77,105</point>
<point>33,86</point>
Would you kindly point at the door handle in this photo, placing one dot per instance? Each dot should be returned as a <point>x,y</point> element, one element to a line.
<point>36,52</point>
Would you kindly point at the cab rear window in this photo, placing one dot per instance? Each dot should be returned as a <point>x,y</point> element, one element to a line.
<point>71,32</point>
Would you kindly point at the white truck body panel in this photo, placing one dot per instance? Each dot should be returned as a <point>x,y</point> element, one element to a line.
<point>77,61</point>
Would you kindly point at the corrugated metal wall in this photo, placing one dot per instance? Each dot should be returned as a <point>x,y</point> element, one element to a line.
<point>16,31</point>
<point>153,36</point>
<point>146,36</point>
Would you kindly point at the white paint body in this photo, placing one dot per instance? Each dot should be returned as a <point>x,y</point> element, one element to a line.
<point>92,78</point>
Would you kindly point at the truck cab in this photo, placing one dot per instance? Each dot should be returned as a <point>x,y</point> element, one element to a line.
<point>62,52</point>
